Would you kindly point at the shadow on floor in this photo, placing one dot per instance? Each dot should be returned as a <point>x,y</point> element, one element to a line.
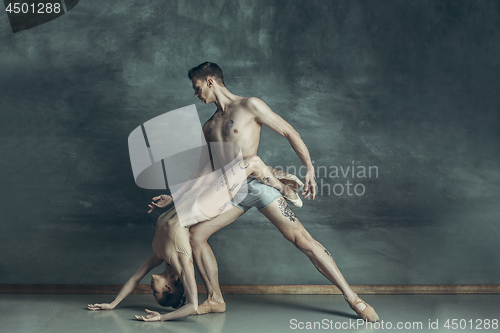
<point>300,306</point>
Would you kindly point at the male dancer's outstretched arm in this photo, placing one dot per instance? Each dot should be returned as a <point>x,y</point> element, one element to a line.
<point>267,117</point>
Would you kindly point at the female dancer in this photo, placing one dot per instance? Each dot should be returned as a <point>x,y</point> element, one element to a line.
<point>176,286</point>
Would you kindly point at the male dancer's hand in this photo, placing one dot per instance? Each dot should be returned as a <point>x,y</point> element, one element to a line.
<point>163,201</point>
<point>309,184</point>
<point>100,306</point>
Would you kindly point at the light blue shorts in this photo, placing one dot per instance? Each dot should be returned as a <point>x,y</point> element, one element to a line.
<point>259,195</point>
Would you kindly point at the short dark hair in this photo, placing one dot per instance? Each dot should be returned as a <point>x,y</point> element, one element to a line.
<point>176,298</point>
<point>207,69</point>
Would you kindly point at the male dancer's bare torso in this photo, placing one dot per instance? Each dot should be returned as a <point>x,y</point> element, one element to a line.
<point>237,124</point>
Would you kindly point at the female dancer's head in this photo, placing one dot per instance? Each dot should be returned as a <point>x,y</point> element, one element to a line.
<point>168,289</point>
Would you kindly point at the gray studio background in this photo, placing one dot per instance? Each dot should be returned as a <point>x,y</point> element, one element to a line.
<point>408,86</point>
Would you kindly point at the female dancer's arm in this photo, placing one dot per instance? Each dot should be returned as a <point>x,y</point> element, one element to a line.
<point>152,262</point>
<point>185,269</point>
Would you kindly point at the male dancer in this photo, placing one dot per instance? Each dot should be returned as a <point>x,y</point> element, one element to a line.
<point>239,120</point>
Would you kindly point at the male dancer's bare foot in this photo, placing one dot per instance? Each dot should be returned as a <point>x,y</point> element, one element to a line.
<point>211,306</point>
<point>362,309</point>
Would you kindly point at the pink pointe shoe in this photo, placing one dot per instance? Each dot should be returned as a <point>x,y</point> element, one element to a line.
<point>288,179</point>
<point>297,202</point>
<point>291,181</point>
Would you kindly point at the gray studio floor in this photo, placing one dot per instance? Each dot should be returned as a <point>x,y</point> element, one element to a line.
<point>247,313</point>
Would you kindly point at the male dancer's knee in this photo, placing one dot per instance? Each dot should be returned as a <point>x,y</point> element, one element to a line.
<point>197,239</point>
<point>302,240</point>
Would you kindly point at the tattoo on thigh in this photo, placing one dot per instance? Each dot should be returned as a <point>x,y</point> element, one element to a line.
<point>234,187</point>
<point>246,166</point>
<point>285,210</point>
<point>266,179</point>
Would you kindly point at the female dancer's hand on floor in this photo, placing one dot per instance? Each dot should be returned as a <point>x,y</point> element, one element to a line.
<point>163,201</point>
<point>100,306</point>
<point>152,316</point>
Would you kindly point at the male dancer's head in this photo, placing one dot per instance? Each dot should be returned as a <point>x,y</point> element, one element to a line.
<point>205,70</point>
<point>207,79</point>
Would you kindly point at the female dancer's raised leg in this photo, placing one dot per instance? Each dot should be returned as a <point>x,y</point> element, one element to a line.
<point>212,201</point>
